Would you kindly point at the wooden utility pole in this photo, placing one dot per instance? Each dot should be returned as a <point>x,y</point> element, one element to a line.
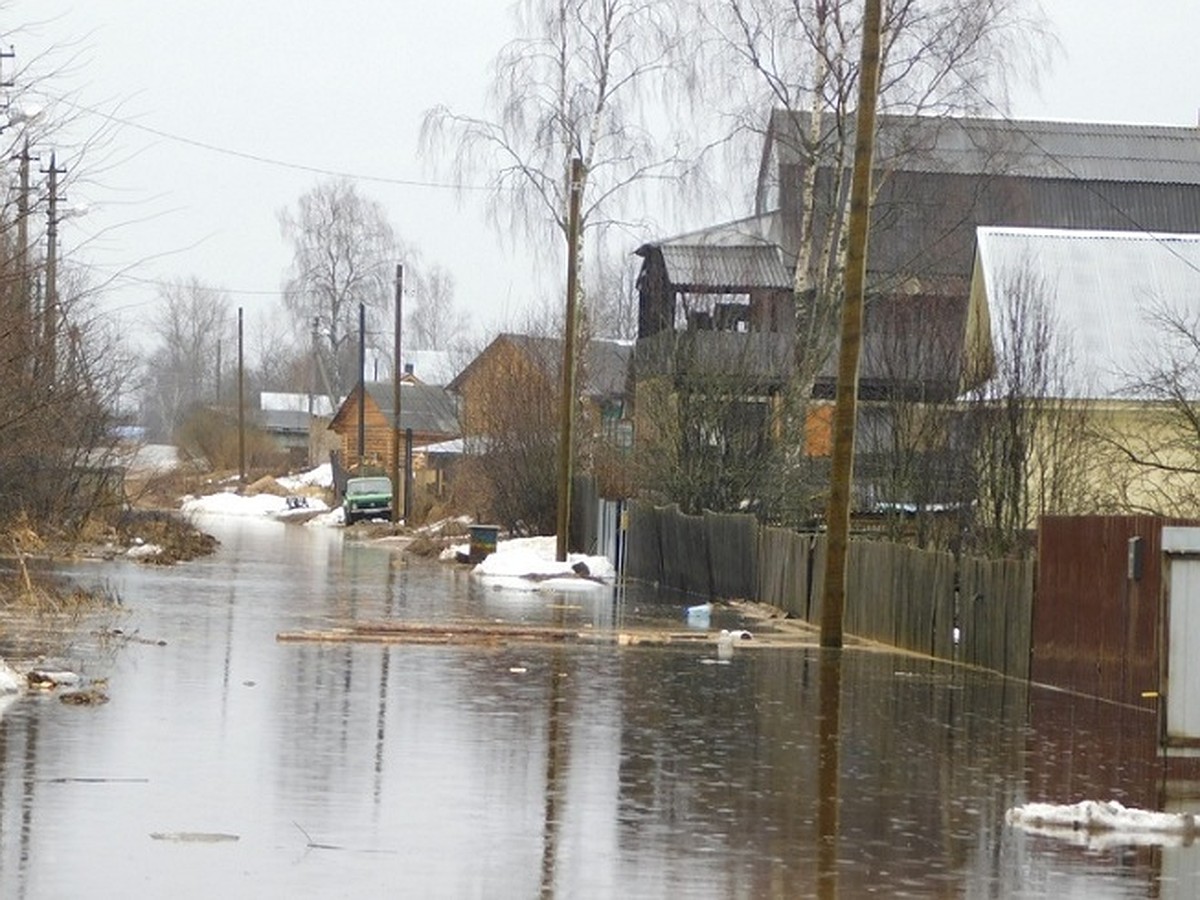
<point>25,326</point>
<point>362,383</point>
<point>838,516</point>
<point>50,310</point>
<point>397,372</point>
<point>241,400</point>
<point>567,407</point>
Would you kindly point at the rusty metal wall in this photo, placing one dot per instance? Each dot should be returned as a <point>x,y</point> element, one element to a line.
<point>1094,630</point>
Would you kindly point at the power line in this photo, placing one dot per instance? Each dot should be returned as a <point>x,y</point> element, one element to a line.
<point>267,160</point>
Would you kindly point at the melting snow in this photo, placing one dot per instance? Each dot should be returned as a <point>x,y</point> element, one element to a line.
<point>321,476</point>
<point>529,564</point>
<point>1107,823</point>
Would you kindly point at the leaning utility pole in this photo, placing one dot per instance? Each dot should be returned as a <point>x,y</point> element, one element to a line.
<point>838,517</point>
<point>396,429</point>
<point>567,407</point>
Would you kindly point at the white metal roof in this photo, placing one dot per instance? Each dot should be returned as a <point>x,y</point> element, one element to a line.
<point>1101,286</point>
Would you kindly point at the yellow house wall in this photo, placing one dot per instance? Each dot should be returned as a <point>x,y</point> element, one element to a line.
<point>1102,478</point>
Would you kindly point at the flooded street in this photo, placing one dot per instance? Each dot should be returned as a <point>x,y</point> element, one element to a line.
<point>230,765</point>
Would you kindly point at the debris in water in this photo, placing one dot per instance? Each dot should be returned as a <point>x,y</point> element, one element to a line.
<point>48,680</point>
<point>90,696</point>
<point>518,670</point>
<point>194,837</point>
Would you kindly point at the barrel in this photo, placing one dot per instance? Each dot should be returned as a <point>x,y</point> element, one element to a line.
<point>483,541</point>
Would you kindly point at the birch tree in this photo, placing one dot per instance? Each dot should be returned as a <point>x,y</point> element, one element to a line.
<point>797,61</point>
<point>586,79</point>
<point>1026,432</point>
<point>190,322</point>
<point>1154,453</point>
<point>344,253</point>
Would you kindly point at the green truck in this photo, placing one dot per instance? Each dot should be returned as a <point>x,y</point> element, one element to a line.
<point>367,498</point>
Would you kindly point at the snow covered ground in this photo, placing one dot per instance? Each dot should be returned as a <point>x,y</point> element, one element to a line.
<point>321,476</point>
<point>230,503</point>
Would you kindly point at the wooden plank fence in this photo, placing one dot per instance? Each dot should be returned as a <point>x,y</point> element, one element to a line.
<point>908,598</point>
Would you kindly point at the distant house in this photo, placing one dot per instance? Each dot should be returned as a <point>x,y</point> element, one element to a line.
<point>1115,302</point>
<point>296,422</point>
<point>426,410</point>
<point>532,366</point>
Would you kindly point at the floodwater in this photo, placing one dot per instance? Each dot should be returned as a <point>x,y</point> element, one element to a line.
<point>230,765</point>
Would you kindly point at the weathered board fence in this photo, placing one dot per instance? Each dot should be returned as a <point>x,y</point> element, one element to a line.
<point>909,598</point>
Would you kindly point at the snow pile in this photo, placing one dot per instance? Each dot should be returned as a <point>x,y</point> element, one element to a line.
<point>436,528</point>
<point>529,564</point>
<point>282,509</point>
<point>1110,821</point>
<point>321,476</point>
<point>231,504</point>
<point>11,681</point>
<point>143,551</point>
<point>331,518</point>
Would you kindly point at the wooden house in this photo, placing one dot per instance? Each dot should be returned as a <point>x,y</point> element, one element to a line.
<point>723,297</point>
<point>427,411</point>
<point>523,371</point>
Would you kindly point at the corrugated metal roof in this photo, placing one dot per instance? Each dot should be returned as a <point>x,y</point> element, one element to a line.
<point>734,257</point>
<point>1103,286</point>
<point>733,269</point>
<point>1038,149</point>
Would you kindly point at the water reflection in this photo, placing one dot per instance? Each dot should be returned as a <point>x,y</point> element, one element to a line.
<point>513,771</point>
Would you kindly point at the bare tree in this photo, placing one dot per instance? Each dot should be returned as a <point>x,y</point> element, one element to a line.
<point>587,79</point>
<point>182,372</point>
<point>432,321</point>
<point>706,428</point>
<point>1153,452</point>
<point>1027,425</point>
<point>798,59</point>
<point>509,413</point>
<point>343,254</point>
<point>612,299</point>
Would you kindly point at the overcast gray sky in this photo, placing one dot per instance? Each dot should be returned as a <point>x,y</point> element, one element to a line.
<point>342,87</point>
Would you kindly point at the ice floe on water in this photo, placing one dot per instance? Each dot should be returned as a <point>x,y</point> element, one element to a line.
<point>529,564</point>
<point>1097,824</point>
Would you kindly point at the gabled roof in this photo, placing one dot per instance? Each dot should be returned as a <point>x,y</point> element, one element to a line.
<point>426,409</point>
<point>733,257</point>
<point>606,363</point>
<point>1085,151</point>
<point>284,421</point>
<point>1102,287</point>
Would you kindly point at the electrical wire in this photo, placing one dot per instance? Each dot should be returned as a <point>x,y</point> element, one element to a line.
<point>267,160</point>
